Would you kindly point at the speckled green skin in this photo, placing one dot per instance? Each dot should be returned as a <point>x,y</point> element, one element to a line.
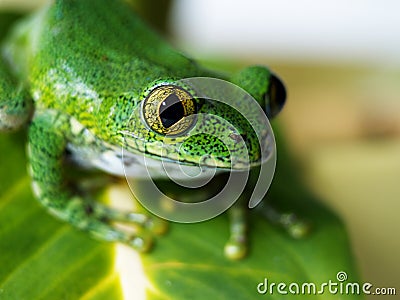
<point>87,66</point>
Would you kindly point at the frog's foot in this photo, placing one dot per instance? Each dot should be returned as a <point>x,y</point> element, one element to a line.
<point>294,225</point>
<point>105,223</point>
<point>140,240</point>
<point>236,247</point>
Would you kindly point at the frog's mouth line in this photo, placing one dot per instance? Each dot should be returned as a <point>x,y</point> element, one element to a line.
<point>199,148</point>
<point>169,153</point>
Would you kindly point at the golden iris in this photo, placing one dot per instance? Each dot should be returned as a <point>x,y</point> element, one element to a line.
<point>169,110</point>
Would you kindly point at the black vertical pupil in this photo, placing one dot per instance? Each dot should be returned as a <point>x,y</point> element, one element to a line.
<point>171,111</point>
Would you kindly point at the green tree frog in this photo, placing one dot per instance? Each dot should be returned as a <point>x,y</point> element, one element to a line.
<point>74,72</point>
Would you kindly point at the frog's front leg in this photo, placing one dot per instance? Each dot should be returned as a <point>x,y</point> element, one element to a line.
<point>15,105</point>
<point>237,248</point>
<point>48,138</point>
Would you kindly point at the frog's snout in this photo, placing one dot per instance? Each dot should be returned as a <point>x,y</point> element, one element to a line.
<point>225,149</point>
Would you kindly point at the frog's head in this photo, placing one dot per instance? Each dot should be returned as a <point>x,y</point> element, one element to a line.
<point>208,122</point>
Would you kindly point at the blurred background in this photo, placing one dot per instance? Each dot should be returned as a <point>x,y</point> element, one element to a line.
<point>340,61</point>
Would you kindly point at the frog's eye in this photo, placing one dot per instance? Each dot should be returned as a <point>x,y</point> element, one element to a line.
<point>275,97</point>
<point>169,109</point>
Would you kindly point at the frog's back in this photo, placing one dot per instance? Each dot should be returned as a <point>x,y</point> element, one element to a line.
<point>78,52</point>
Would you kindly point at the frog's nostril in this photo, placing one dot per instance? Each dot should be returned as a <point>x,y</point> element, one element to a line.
<point>236,137</point>
<point>275,97</point>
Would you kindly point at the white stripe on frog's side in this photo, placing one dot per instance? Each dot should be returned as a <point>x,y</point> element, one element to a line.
<point>112,160</point>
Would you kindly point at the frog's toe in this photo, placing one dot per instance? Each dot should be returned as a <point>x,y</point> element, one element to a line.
<point>290,222</point>
<point>235,250</point>
<point>142,242</point>
<point>295,226</point>
<point>156,225</point>
<point>299,229</point>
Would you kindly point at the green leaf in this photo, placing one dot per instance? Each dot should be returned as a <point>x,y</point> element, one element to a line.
<point>189,263</point>
<point>40,257</point>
